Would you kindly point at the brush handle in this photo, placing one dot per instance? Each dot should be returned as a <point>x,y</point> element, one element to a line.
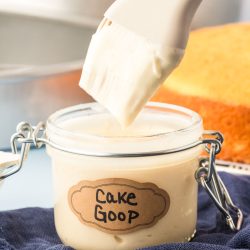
<point>181,22</point>
<point>164,22</point>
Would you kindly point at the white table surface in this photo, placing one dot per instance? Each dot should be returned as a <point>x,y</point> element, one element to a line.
<point>32,186</point>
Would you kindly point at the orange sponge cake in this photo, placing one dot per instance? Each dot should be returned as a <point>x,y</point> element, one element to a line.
<point>214,80</point>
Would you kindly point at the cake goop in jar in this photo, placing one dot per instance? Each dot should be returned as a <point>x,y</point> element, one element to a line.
<point>114,190</point>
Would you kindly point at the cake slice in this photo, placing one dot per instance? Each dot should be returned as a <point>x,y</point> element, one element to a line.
<point>214,80</point>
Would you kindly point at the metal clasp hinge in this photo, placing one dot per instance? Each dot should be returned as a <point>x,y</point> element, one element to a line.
<point>208,177</point>
<point>24,137</point>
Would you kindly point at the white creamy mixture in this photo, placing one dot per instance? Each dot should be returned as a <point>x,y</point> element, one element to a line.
<point>106,126</point>
<point>173,173</point>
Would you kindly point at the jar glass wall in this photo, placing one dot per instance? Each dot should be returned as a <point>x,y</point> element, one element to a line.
<point>127,156</point>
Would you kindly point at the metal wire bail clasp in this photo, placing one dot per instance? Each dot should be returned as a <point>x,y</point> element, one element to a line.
<point>25,136</point>
<point>208,177</point>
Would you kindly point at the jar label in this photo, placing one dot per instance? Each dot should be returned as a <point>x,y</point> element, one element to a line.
<point>118,206</point>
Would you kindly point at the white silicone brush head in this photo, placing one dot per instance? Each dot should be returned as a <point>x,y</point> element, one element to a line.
<point>125,63</point>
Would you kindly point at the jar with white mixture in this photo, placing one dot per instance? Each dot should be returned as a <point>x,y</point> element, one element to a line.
<point>128,188</point>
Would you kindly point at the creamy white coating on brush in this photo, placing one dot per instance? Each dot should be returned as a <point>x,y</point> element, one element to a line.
<point>138,44</point>
<point>124,87</point>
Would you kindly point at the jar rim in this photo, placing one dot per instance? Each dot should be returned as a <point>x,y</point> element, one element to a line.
<point>53,119</point>
<point>87,144</point>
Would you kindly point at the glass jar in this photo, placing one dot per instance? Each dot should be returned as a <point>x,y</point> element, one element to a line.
<point>90,128</point>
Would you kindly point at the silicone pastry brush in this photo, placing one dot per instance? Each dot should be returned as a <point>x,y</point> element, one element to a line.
<point>136,46</point>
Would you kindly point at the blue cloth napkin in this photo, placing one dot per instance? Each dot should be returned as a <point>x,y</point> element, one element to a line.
<point>34,229</point>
